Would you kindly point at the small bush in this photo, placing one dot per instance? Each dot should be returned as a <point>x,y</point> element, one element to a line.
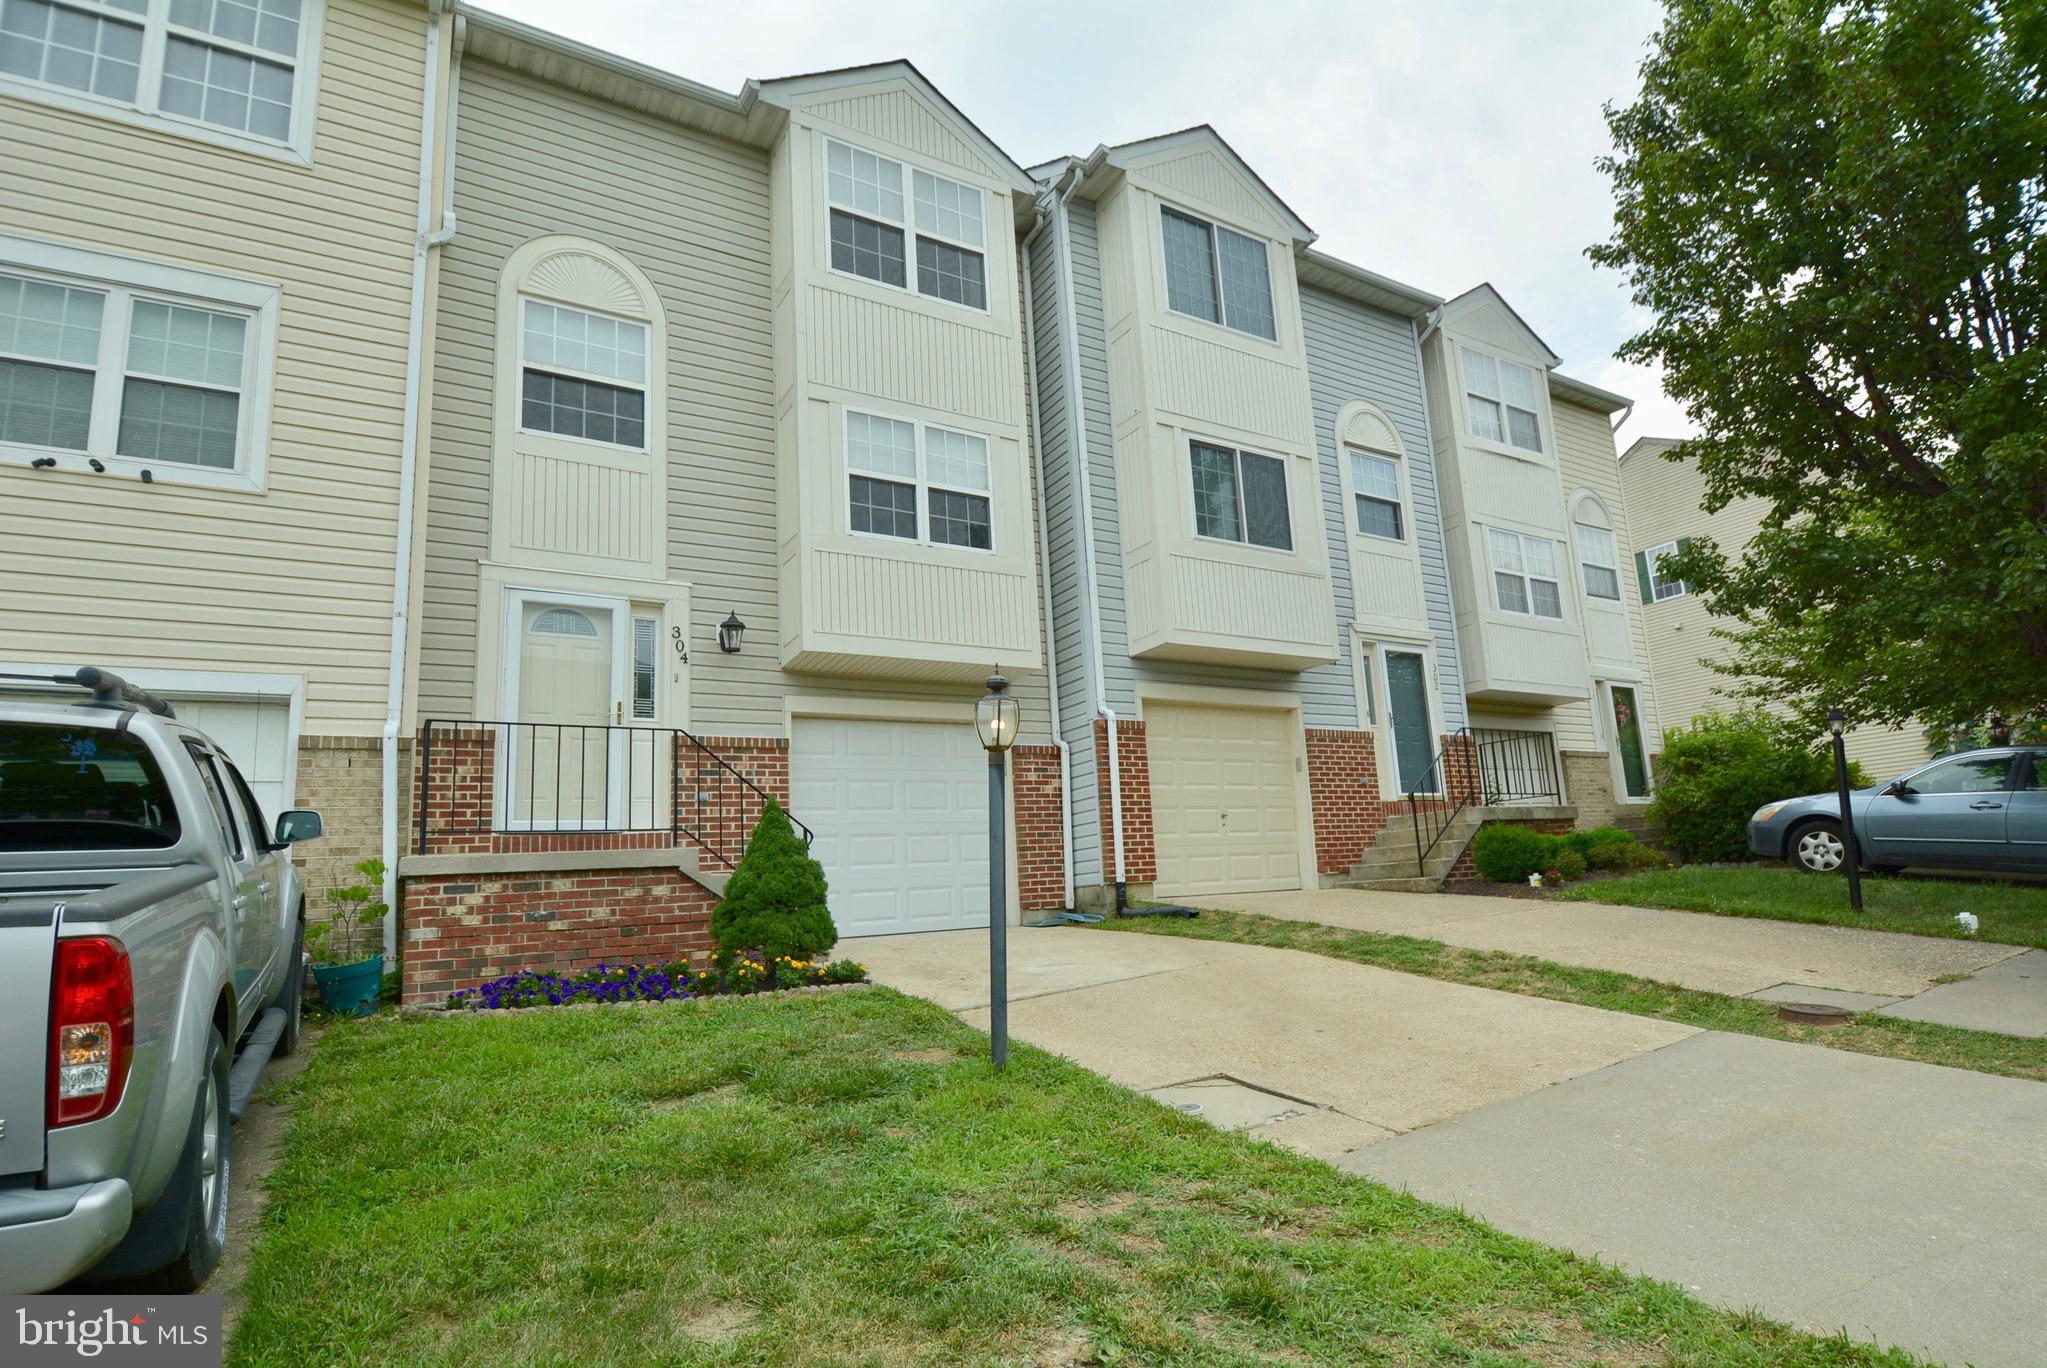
<point>1570,865</point>
<point>774,904</point>
<point>1719,770</point>
<point>1506,853</point>
<point>1599,838</point>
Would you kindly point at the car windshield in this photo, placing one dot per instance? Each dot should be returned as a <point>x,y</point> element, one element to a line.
<point>81,788</point>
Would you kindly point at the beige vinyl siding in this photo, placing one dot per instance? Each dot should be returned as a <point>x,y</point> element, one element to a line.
<point>295,579</point>
<point>692,211</point>
<point>1665,502</point>
<point>1586,461</point>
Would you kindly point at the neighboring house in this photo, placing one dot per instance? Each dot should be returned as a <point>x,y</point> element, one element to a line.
<point>1666,503</point>
<point>753,358</point>
<point>207,306</point>
<point>1554,662</point>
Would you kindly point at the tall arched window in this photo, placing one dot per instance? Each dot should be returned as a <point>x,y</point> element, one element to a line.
<point>1598,552</point>
<point>1374,473</point>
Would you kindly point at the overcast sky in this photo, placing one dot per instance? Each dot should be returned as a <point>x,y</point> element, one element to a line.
<point>1441,142</point>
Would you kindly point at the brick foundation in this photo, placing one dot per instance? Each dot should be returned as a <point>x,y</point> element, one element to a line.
<point>462,930</point>
<point>1140,853</point>
<point>1040,804</point>
<point>1343,792</point>
<point>342,778</point>
<point>1588,786</point>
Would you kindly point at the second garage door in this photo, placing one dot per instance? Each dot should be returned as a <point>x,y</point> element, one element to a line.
<point>901,815</point>
<point>1225,814</point>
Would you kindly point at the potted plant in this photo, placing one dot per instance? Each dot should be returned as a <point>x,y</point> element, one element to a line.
<point>351,976</point>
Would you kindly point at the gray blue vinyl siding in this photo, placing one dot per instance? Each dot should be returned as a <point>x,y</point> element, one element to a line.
<point>1357,352</point>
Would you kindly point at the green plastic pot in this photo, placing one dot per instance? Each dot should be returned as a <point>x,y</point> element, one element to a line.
<point>351,988</point>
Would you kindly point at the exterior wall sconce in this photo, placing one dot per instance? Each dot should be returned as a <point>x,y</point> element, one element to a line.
<point>729,633</point>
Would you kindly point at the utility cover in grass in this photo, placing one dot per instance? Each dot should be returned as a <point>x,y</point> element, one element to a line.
<point>775,901</point>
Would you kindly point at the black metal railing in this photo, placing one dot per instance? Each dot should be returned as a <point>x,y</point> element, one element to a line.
<point>1481,767</point>
<point>652,786</point>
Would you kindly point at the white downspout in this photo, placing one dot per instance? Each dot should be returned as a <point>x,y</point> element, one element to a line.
<point>1076,408</point>
<point>1045,570</point>
<point>424,239</point>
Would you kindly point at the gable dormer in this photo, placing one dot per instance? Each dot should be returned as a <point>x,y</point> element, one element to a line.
<point>903,492</point>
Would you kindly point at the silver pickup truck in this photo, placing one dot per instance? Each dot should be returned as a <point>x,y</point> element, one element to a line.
<point>151,944</point>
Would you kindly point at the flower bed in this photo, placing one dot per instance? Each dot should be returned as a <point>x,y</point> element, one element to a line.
<point>674,981</point>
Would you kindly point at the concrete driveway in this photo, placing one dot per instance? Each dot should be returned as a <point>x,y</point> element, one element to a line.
<point>1351,1054</point>
<point>1902,1202</point>
<point>1733,955</point>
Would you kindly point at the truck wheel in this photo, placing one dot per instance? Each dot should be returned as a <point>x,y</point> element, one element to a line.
<point>291,993</point>
<point>200,1182</point>
<point>1816,848</point>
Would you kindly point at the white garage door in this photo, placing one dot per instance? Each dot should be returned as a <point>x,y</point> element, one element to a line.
<point>255,735</point>
<point>901,815</point>
<point>1223,799</point>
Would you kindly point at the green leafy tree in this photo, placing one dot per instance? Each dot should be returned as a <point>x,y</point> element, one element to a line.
<point>1833,210</point>
<point>1716,772</point>
<point>774,902</point>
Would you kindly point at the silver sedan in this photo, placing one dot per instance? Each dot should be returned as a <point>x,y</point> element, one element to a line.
<point>1981,809</point>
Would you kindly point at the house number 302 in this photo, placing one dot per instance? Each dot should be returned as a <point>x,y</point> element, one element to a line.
<point>675,637</point>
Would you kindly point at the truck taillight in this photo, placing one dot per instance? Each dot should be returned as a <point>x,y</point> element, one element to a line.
<point>92,1029</point>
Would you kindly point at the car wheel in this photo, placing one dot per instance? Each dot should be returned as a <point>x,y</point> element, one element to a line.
<point>1817,848</point>
<point>200,1182</point>
<point>291,994</point>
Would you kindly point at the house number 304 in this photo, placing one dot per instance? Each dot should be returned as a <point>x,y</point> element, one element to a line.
<point>681,646</point>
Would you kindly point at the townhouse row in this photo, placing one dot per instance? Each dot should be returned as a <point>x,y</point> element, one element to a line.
<point>535,459</point>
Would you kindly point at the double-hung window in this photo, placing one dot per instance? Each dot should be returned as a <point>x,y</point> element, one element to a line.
<point>231,65</point>
<point>1597,558</point>
<point>877,205</point>
<point>1240,496</point>
<point>1525,573</point>
<point>582,375</point>
<point>1375,488</point>
<point>1218,275</point>
<point>1657,584</point>
<point>918,482</point>
<point>1500,397</point>
<point>133,365</point>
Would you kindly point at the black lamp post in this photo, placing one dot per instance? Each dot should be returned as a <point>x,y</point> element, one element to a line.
<point>995,720</point>
<point>1837,723</point>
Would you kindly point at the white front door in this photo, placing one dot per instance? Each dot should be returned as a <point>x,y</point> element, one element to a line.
<point>1225,805</point>
<point>900,812</point>
<point>567,686</point>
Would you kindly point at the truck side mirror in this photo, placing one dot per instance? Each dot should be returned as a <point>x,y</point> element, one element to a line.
<point>299,824</point>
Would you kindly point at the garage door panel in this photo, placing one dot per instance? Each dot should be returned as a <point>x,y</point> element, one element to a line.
<point>901,815</point>
<point>256,736</point>
<point>1224,798</point>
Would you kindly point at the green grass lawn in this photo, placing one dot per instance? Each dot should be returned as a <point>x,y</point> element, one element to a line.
<point>842,1179</point>
<point>1867,1033</point>
<point>2015,914</point>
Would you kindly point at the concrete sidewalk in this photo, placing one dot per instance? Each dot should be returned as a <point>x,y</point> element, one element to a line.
<point>1733,955</point>
<point>1903,1202</point>
<point>1365,1053</point>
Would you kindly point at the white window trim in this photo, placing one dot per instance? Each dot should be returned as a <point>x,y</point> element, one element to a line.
<point>122,279</point>
<point>1525,575</point>
<point>1243,543</point>
<point>1504,446</point>
<point>911,232</point>
<point>1649,558</point>
<point>142,111</point>
<point>1215,258</point>
<point>923,483</point>
<point>1351,495</point>
<point>645,387</point>
<point>1585,560</point>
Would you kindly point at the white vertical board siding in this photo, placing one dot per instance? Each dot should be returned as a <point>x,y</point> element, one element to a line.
<point>1356,352</point>
<point>1586,460</point>
<point>295,579</point>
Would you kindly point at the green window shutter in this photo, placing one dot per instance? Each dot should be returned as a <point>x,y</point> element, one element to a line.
<point>1683,542</point>
<point>1642,574</point>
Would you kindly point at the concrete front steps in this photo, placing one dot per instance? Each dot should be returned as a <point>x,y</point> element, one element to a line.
<point>1388,863</point>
